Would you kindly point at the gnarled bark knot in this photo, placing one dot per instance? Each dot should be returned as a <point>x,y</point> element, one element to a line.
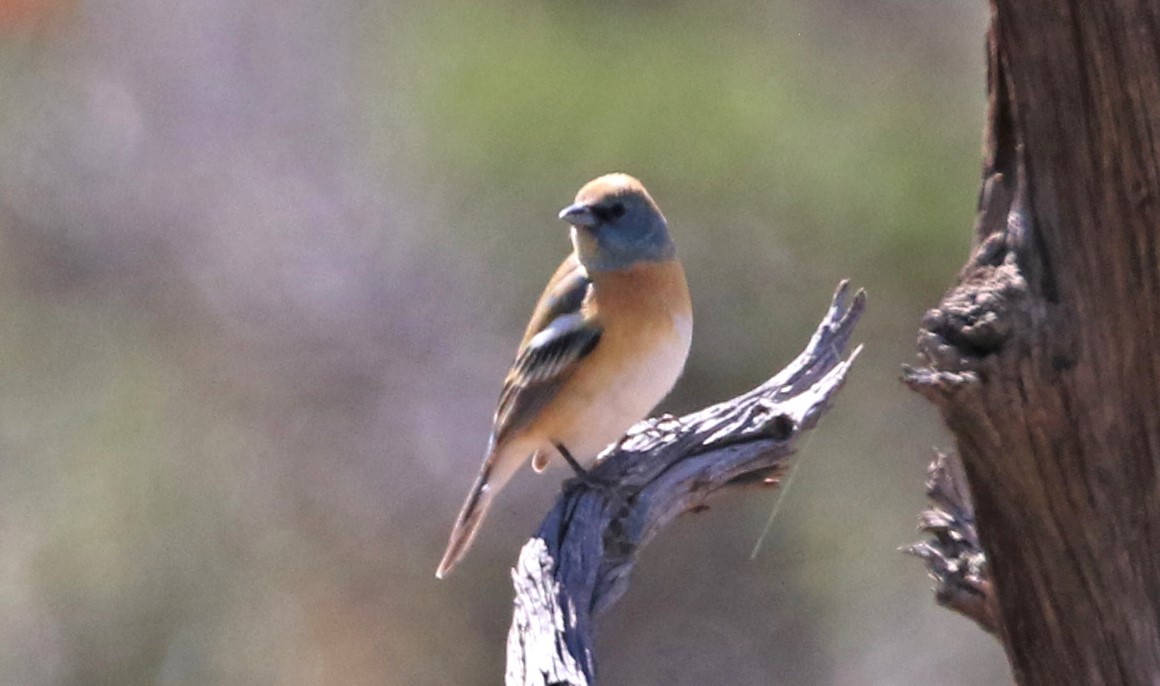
<point>1005,291</point>
<point>953,555</point>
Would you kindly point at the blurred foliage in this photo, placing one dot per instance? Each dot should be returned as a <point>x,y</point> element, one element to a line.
<point>722,109</point>
<point>262,267</point>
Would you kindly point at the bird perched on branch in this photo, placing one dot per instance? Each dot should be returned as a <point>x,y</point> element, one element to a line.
<point>606,342</point>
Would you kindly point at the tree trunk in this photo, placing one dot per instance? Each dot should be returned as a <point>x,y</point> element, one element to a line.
<point>1044,360</point>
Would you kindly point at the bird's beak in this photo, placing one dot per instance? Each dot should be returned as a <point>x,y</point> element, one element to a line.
<point>579,214</point>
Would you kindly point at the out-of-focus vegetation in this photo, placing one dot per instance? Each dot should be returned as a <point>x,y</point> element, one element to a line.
<point>263,265</point>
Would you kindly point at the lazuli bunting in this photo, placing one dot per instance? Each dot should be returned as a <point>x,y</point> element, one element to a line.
<point>606,342</point>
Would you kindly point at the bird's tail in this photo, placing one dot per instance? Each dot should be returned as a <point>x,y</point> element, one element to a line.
<point>492,476</point>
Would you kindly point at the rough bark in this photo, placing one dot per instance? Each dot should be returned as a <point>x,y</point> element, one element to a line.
<point>579,562</point>
<point>1043,359</point>
<point>953,556</point>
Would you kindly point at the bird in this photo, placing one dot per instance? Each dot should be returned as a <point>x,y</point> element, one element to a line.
<point>606,342</point>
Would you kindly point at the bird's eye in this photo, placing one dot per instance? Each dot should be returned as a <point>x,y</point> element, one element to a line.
<point>617,210</point>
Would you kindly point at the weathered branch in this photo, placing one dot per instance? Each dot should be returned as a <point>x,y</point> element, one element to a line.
<point>579,562</point>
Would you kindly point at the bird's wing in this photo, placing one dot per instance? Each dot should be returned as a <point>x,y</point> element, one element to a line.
<point>567,332</point>
<point>564,294</point>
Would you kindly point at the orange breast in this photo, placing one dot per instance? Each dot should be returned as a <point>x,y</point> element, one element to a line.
<point>647,320</point>
<point>646,296</point>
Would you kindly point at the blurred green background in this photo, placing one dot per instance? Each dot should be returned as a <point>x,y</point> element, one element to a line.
<point>263,265</point>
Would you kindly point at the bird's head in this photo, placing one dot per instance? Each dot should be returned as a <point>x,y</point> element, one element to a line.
<point>616,224</point>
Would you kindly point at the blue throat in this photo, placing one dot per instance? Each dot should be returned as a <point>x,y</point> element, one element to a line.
<point>619,251</point>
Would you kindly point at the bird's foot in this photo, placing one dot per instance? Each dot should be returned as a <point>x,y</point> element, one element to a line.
<point>582,475</point>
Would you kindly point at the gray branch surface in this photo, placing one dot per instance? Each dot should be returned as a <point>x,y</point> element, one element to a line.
<point>578,563</point>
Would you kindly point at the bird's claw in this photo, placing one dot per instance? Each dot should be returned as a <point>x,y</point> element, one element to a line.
<point>583,476</point>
